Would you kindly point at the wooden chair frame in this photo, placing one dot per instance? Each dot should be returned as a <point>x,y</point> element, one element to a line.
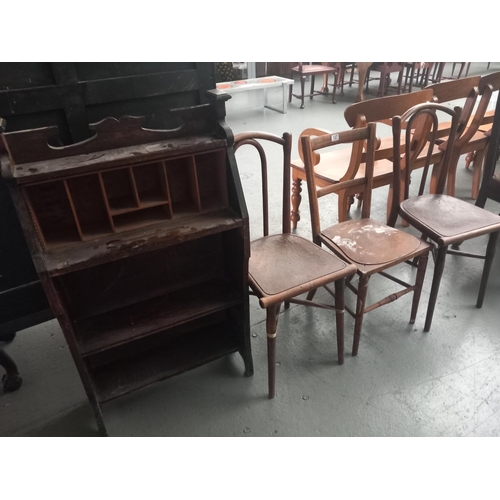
<point>442,219</point>
<point>348,239</point>
<point>284,266</point>
<point>312,70</point>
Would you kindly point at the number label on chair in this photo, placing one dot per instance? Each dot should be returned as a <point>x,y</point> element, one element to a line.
<point>335,137</point>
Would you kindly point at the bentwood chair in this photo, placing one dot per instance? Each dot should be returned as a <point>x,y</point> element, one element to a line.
<point>373,247</point>
<point>283,265</point>
<point>442,219</point>
<point>304,71</point>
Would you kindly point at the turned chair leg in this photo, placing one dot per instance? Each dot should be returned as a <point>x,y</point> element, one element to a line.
<point>302,90</point>
<point>296,199</point>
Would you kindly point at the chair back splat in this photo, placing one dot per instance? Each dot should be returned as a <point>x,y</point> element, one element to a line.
<point>421,127</point>
<point>283,266</point>
<point>373,247</point>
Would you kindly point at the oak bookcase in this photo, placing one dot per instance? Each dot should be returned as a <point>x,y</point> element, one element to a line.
<point>140,240</point>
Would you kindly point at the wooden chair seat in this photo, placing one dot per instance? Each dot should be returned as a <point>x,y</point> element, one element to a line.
<point>274,257</point>
<point>315,69</point>
<point>332,168</point>
<point>329,172</point>
<point>448,220</point>
<point>371,245</point>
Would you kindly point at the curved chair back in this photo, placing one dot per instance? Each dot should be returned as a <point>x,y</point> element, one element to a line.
<point>256,139</point>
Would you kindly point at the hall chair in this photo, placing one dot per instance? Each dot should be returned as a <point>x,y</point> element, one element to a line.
<point>441,218</point>
<point>372,246</point>
<point>332,167</point>
<point>304,71</point>
<point>283,266</point>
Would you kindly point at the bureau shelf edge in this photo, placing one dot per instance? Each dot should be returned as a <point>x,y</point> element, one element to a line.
<point>113,328</point>
<point>121,245</point>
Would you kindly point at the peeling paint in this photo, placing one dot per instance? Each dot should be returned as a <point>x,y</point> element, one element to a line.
<point>344,242</point>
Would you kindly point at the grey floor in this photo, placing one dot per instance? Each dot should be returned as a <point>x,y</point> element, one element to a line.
<point>404,382</point>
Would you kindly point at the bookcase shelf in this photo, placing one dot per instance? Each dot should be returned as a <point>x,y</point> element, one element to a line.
<point>142,247</point>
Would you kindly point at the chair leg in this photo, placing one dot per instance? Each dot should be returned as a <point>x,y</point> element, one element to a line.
<point>400,81</point>
<point>419,281</point>
<point>296,199</point>
<point>490,253</point>
<point>335,83</point>
<point>302,90</point>
<point>360,309</point>
<point>436,281</point>
<point>339,318</point>
<point>313,78</point>
<point>271,327</point>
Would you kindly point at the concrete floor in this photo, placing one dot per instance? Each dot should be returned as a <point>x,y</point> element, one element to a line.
<point>402,383</point>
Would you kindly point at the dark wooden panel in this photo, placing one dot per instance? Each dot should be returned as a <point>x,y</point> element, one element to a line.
<point>70,96</point>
